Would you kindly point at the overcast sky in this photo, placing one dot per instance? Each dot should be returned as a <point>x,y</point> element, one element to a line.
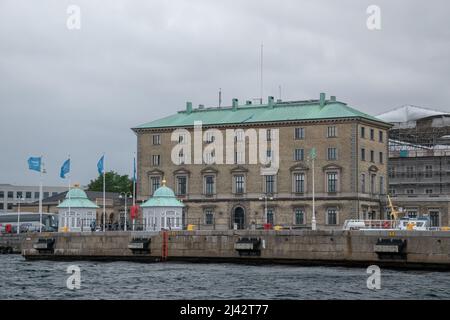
<point>79,92</point>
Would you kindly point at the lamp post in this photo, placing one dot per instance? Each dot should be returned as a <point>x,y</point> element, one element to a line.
<point>18,213</point>
<point>265,204</point>
<point>125,195</point>
<point>312,157</point>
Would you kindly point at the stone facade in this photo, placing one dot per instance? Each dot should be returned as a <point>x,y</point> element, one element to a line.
<point>285,207</point>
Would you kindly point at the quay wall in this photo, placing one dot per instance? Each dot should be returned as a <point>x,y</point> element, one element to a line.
<point>11,243</point>
<point>427,249</point>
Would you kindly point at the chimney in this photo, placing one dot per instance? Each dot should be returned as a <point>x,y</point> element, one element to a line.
<point>248,102</point>
<point>235,104</point>
<point>270,102</point>
<point>188,107</point>
<point>322,100</point>
<point>333,98</point>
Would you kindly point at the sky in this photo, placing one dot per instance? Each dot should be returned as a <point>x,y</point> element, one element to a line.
<point>79,91</point>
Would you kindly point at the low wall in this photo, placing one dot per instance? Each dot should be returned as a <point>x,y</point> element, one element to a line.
<point>11,243</point>
<point>423,249</point>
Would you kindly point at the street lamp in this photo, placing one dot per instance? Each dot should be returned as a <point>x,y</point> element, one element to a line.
<point>126,195</point>
<point>312,157</point>
<point>18,213</point>
<point>265,198</point>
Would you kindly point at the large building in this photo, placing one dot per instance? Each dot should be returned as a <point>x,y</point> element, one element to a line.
<point>419,162</point>
<point>350,165</point>
<point>11,195</point>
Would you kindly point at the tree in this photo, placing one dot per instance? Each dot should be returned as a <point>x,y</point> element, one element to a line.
<point>114,182</point>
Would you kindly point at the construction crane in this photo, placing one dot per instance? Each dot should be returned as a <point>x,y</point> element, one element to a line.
<point>394,212</point>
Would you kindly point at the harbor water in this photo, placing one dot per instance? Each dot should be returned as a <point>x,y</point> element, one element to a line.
<point>21,279</point>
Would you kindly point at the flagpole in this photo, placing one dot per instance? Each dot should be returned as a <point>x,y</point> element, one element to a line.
<point>104,202</point>
<point>40,196</point>
<point>134,190</point>
<point>68,217</point>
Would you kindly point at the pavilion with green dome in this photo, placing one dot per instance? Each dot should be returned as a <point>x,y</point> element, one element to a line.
<point>162,211</point>
<point>76,213</point>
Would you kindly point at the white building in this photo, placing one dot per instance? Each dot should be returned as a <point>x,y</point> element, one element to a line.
<point>162,211</point>
<point>76,213</point>
<point>11,195</point>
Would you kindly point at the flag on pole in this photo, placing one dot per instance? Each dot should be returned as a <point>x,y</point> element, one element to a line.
<point>313,154</point>
<point>134,169</point>
<point>34,163</point>
<point>65,169</point>
<point>100,167</point>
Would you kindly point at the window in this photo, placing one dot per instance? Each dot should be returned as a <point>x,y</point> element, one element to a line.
<point>332,216</point>
<point>332,181</point>
<point>428,171</point>
<point>299,182</point>
<point>372,156</point>
<point>270,216</point>
<point>210,138</point>
<point>434,218</point>
<point>380,157</point>
<point>380,136</point>
<point>331,132</point>
<point>299,133</point>
<point>156,139</point>
<point>209,185</point>
<point>156,160</point>
<point>299,216</point>
<point>409,172</point>
<point>429,191</point>
<point>155,183</point>
<point>209,217</point>
<point>181,138</point>
<point>391,172</point>
<point>9,206</point>
<point>363,132</point>
<point>19,194</point>
<point>46,194</point>
<point>392,191</point>
<point>363,154</point>
<point>36,195</point>
<point>2,207</point>
<point>299,154</point>
<point>53,194</point>
<point>409,191</point>
<point>181,185</point>
<point>363,183</point>
<point>10,194</point>
<point>239,184</point>
<point>382,185</point>
<point>372,134</point>
<point>269,134</point>
<point>28,195</point>
<point>269,153</point>
<point>332,154</point>
<point>269,183</point>
<point>372,183</point>
<point>411,213</point>
<point>2,194</point>
<point>239,135</point>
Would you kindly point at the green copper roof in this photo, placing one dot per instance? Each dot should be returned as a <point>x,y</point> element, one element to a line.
<point>163,197</point>
<point>281,111</point>
<point>77,198</point>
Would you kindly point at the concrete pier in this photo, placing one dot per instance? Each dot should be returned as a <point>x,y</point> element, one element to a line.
<point>399,249</point>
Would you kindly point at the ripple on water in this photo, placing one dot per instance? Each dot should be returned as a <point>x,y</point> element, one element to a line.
<point>22,279</point>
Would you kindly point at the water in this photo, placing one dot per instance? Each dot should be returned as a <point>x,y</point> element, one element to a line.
<point>21,279</point>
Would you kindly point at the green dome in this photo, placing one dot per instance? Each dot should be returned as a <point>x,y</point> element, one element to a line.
<point>164,192</point>
<point>76,193</point>
<point>163,197</point>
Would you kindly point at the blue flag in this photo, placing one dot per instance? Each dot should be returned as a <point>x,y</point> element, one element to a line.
<point>34,163</point>
<point>100,165</point>
<point>65,169</point>
<point>134,169</point>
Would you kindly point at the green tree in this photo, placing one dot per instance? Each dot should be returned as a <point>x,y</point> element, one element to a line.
<point>114,182</point>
